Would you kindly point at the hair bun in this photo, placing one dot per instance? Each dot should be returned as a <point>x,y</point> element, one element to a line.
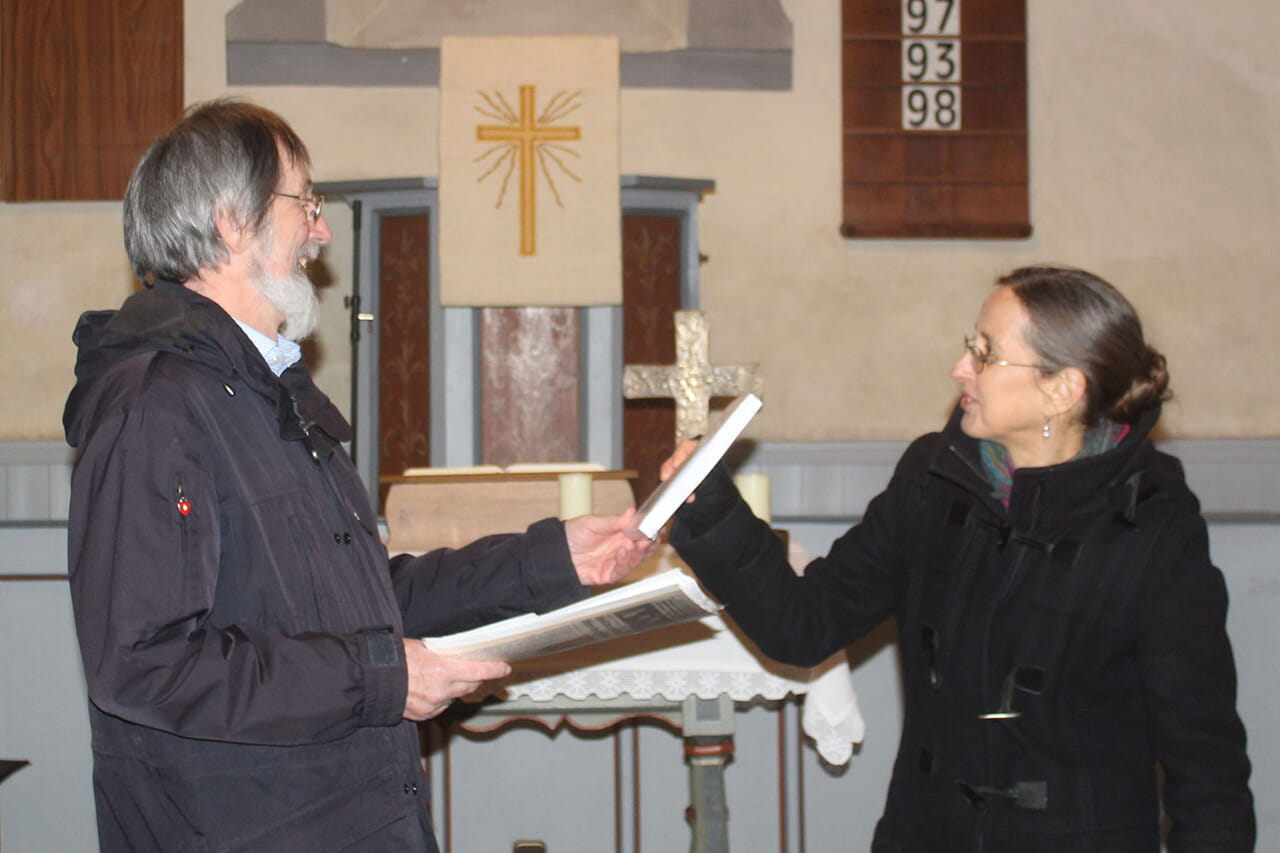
<point>1149,389</point>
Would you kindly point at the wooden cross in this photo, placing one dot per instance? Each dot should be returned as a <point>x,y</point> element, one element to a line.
<point>692,381</point>
<point>526,133</point>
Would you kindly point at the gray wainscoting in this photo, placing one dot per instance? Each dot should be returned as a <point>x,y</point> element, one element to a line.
<point>566,789</point>
<point>35,480</point>
<point>835,480</point>
<point>810,480</point>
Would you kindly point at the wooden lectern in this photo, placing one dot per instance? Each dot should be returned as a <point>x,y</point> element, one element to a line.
<point>449,510</point>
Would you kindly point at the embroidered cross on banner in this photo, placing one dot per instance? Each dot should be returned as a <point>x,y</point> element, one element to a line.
<point>526,143</point>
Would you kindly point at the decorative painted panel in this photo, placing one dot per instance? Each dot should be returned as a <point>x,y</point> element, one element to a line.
<point>404,362</point>
<point>651,250</point>
<point>529,368</point>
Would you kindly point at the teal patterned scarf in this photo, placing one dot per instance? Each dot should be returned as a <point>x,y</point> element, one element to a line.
<point>998,466</point>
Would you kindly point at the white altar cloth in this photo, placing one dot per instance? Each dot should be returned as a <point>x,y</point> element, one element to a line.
<point>707,659</point>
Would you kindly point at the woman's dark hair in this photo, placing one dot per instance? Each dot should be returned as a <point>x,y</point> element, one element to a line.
<point>1078,320</point>
<point>223,157</point>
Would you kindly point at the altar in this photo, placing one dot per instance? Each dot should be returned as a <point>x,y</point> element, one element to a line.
<point>693,677</point>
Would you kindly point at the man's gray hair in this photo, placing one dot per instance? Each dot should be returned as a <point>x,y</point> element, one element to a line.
<point>222,158</point>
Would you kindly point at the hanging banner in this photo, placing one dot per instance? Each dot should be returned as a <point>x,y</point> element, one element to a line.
<point>530,209</point>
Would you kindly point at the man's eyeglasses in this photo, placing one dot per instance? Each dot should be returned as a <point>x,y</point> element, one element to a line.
<point>313,203</point>
<point>983,358</point>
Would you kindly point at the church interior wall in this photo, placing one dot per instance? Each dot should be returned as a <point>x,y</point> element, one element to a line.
<point>1153,163</point>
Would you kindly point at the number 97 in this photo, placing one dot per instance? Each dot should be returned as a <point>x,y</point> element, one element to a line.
<point>915,17</point>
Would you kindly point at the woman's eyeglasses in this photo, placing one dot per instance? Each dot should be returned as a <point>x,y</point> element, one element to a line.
<point>982,358</point>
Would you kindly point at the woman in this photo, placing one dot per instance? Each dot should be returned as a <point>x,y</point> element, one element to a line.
<point>1062,630</point>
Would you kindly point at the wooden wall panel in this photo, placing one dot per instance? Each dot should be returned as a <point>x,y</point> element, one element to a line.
<point>1007,18</point>
<point>863,17</point>
<point>404,346</point>
<point>651,249</point>
<point>957,169</point>
<point>85,85</point>
<point>994,63</point>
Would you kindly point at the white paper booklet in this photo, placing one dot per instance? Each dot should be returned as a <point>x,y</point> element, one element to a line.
<point>666,499</point>
<point>667,598</point>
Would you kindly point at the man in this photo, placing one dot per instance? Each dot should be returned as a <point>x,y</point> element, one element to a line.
<point>247,646</point>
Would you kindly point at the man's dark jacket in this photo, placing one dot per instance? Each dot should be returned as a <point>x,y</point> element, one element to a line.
<point>239,621</point>
<point>1053,651</point>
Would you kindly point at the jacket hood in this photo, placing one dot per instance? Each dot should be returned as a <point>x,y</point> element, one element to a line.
<point>172,319</point>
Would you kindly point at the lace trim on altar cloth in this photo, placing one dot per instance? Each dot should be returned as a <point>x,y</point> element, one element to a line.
<point>830,714</point>
<point>673,685</point>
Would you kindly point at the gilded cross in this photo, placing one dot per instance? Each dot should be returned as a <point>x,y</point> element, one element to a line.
<point>692,381</point>
<point>526,132</point>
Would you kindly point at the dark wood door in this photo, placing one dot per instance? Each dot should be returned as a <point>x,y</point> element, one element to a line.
<point>404,363</point>
<point>651,251</point>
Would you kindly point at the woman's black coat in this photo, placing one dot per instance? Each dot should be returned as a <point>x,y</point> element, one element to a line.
<point>1053,652</point>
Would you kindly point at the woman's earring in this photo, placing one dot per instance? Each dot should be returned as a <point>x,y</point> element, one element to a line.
<point>1045,431</point>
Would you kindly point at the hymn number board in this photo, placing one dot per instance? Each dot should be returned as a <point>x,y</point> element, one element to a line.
<point>931,95</point>
<point>935,119</point>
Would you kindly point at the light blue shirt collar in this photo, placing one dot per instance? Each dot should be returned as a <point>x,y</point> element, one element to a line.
<point>280,354</point>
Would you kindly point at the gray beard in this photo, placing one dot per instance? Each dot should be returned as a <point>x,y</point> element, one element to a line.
<point>294,296</point>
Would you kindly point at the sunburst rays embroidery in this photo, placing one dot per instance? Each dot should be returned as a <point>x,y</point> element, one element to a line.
<point>527,142</point>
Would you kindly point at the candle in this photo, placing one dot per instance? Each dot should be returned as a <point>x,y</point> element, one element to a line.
<point>754,489</point>
<point>575,495</point>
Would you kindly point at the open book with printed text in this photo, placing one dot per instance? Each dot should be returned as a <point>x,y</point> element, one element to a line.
<point>667,598</point>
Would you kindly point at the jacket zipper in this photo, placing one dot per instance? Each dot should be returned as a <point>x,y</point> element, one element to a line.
<point>183,506</point>
<point>305,425</point>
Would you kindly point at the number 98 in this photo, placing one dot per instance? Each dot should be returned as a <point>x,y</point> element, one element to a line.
<point>931,108</point>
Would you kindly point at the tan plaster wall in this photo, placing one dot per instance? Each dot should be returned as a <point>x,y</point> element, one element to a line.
<point>1154,162</point>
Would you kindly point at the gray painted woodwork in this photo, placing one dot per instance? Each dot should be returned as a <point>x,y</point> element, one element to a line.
<point>728,44</point>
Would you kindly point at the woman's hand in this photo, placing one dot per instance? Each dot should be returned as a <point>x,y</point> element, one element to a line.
<point>682,452</point>
<point>605,548</point>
